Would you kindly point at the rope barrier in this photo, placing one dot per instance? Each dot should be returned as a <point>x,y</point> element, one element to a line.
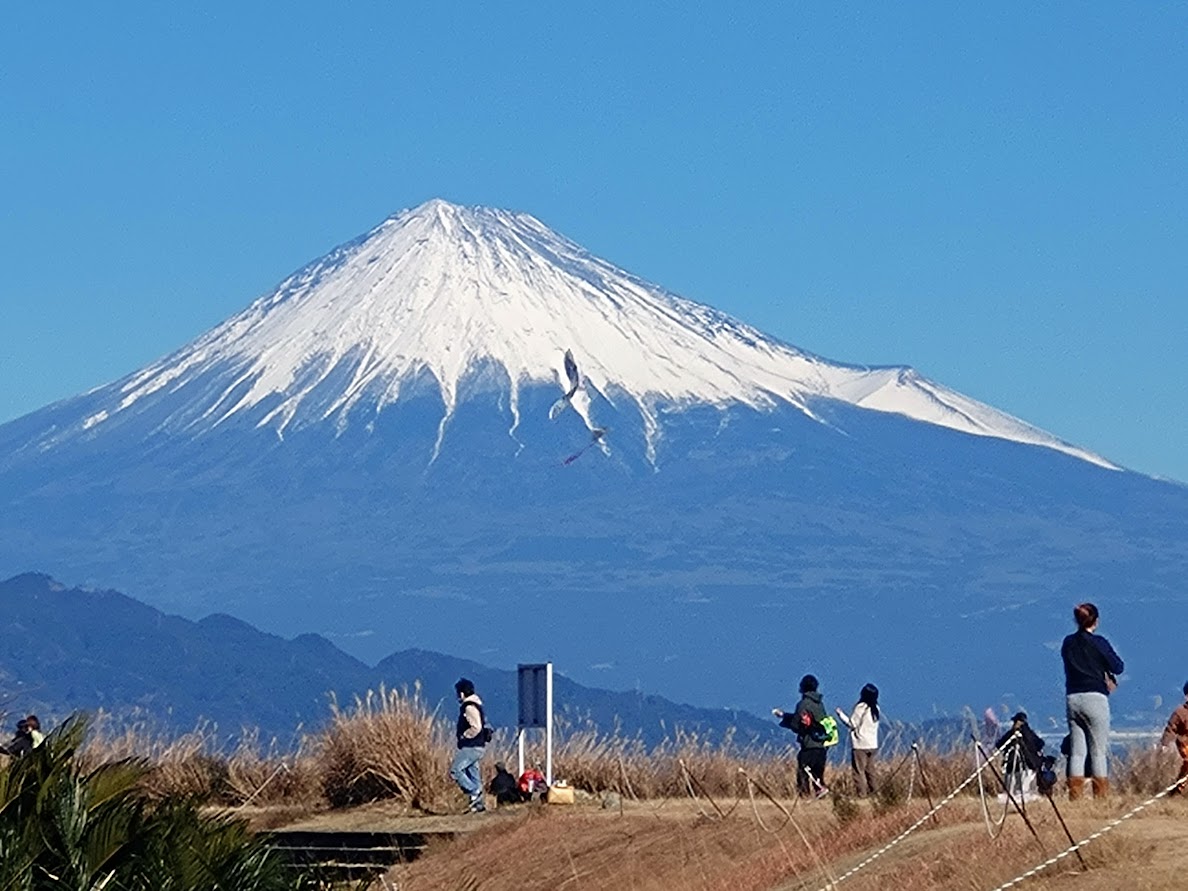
<point>1096,835</point>
<point>995,830</point>
<point>689,789</point>
<point>755,808</point>
<point>271,777</point>
<point>915,753</point>
<point>923,777</point>
<point>1006,789</point>
<point>694,785</point>
<point>902,761</point>
<point>821,864</point>
<point>887,847</point>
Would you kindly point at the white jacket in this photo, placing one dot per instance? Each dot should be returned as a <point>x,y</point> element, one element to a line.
<point>864,727</point>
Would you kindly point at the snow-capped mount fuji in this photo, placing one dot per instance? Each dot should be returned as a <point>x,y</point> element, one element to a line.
<point>367,452</point>
<point>476,297</point>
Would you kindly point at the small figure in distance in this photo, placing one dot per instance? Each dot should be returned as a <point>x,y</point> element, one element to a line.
<point>1177,731</point>
<point>864,738</point>
<point>533,784</point>
<point>472,736</point>
<point>1022,758</point>
<point>35,733</point>
<point>1090,669</point>
<point>504,786</point>
<point>805,722</point>
<point>22,741</point>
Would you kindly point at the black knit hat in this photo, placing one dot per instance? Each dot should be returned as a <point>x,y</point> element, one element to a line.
<point>808,684</point>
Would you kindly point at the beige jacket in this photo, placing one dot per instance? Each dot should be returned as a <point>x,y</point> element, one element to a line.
<point>474,718</point>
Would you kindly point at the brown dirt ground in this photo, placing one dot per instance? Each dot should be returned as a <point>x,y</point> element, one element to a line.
<point>683,844</point>
<point>380,816</point>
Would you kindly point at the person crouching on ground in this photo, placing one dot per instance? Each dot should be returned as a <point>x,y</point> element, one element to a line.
<point>472,740</point>
<point>504,786</point>
<point>805,722</point>
<point>1090,666</point>
<point>864,738</point>
<point>1177,732</point>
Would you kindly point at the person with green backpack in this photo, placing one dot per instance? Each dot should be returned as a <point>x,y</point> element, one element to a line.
<point>816,732</point>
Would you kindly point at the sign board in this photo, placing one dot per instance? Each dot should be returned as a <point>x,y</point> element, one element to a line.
<point>536,709</point>
<point>535,695</point>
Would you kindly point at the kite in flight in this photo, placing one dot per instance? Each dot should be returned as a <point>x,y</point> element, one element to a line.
<point>596,435</point>
<point>575,381</point>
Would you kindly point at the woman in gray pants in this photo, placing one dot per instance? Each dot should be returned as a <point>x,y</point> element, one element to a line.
<point>1090,670</point>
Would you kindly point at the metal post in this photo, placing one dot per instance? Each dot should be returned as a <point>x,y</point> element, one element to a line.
<point>520,740</point>
<point>549,723</point>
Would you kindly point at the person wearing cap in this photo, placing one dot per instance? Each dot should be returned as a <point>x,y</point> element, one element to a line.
<point>504,786</point>
<point>1177,732</point>
<point>1023,757</point>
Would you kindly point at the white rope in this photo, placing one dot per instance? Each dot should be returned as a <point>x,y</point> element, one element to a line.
<point>272,776</point>
<point>912,772</point>
<point>887,847</point>
<point>1111,825</point>
<point>994,830</point>
<point>759,819</point>
<point>689,789</point>
<point>821,864</point>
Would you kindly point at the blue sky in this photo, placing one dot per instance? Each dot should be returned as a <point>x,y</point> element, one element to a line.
<point>996,196</point>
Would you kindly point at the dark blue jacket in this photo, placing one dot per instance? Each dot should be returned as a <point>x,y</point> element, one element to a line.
<point>464,725</point>
<point>1087,658</point>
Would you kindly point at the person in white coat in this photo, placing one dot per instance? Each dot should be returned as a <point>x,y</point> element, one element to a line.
<point>864,738</point>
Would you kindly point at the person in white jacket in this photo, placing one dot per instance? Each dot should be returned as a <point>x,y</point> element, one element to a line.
<point>864,738</point>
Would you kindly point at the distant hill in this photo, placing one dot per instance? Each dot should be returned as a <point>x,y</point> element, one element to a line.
<point>64,649</point>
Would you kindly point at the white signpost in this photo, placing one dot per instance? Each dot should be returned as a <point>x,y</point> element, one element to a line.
<point>536,709</point>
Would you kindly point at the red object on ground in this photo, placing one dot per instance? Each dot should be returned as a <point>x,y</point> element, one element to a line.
<point>532,780</point>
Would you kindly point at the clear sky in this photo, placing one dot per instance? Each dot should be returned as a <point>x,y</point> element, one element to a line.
<point>996,195</point>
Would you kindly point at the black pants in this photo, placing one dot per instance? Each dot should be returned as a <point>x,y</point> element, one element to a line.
<point>814,760</point>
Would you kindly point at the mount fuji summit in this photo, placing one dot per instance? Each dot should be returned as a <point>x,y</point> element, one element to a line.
<point>463,432</point>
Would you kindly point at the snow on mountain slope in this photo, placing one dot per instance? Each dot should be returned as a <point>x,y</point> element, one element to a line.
<point>453,290</point>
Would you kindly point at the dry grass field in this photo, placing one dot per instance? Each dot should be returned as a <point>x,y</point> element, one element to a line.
<point>674,844</point>
<point>694,813</point>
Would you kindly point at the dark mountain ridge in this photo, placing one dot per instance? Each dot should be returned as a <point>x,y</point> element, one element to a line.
<point>66,649</point>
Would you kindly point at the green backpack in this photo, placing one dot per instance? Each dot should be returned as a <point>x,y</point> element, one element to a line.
<point>829,733</point>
